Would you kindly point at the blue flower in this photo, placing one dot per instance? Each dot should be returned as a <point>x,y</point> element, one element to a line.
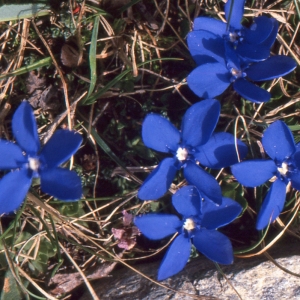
<point>209,36</point>
<point>198,225</point>
<point>230,53</point>
<point>213,78</point>
<point>27,162</point>
<point>195,142</point>
<point>282,168</point>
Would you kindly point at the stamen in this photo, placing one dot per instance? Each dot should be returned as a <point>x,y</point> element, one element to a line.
<point>182,154</point>
<point>189,224</point>
<point>284,168</point>
<point>233,37</point>
<point>236,73</point>
<point>34,163</point>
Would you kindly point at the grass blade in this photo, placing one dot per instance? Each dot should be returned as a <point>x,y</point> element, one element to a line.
<point>41,63</point>
<point>92,56</point>
<point>12,12</point>
<point>96,95</point>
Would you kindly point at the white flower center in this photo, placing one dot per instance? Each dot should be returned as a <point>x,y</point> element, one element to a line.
<point>284,168</point>
<point>233,36</point>
<point>34,163</point>
<point>236,73</point>
<point>182,154</point>
<point>189,224</point>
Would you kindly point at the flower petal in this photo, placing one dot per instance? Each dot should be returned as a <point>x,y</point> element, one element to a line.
<point>187,201</point>
<point>278,141</point>
<point>12,196</point>
<point>214,245</point>
<point>273,67</point>
<point>296,156</point>
<point>25,129</point>
<point>209,80</point>
<point>158,226</point>
<point>251,91</point>
<point>159,181</point>
<point>260,30</point>
<point>205,45</point>
<point>160,134</point>
<point>204,182</point>
<point>220,152</point>
<point>61,183</point>
<point>215,216</point>
<point>209,24</point>
<point>11,155</point>
<point>272,37</point>
<point>176,257</point>
<point>232,59</point>
<point>255,172</point>
<point>234,11</point>
<point>295,180</point>
<point>62,145</point>
<point>204,116</point>
<point>272,205</point>
<point>253,53</point>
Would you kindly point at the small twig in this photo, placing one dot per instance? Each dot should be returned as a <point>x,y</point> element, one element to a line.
<point>60,118</point>
<point>24,274</point>
<point>227,280</point>
<point>86,281</point>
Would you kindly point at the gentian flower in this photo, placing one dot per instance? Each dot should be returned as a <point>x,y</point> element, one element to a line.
<point>213,78</point>
<point>198,225</point>
<point>230,53</point>
<point>283,166</point>
<point>194,143</point>
<point>28,161</point>
<point>209,36</point>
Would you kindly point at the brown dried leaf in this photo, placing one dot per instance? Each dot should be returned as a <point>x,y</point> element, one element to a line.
<point>46,99</point>
<point>70,53</point>
<point>89,162</point>
<point>35,82</point>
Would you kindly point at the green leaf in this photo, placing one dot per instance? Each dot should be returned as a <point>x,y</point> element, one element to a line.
<point>235,191</point>
<point>22,237</point>
<point>241,199</point>
<point>41,63</point>
<point>154,206</point>
<point>229,189</point>
<point>38,267</point>
<point>92,56</point>
<point>46,248</point>
<point>11,289</point>
<point>294,127</point>
<point>106,148</point>
<point>12,12</point>
<point>46,251</point>
<point>96,95</point>
<point>72,210</point>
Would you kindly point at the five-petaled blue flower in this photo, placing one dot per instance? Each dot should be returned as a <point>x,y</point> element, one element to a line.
<point>27,162</point>
<point>283,166</point>
<point>198,225</point>
<point>210,35</point>
<point>212,79</point>
<point>194,143</point>
<point>230,53</point>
